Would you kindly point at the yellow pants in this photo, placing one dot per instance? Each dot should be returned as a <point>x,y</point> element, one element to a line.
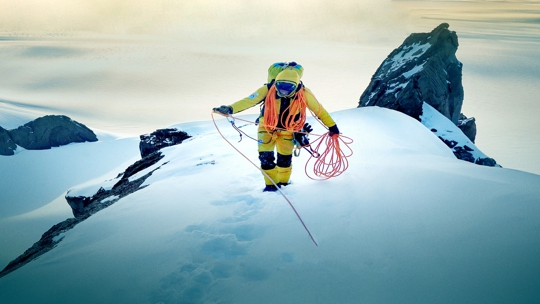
<point>282,142</point>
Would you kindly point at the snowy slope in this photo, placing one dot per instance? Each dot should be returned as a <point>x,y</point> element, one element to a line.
<point>407,223</point>
<point>33,183</point>
<point>444,128</point>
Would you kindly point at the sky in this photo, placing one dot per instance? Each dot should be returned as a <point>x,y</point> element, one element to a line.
<point>249,18</point>
<point>211,18</point>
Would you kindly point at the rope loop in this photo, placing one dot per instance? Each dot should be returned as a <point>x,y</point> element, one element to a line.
<point>332,160</point>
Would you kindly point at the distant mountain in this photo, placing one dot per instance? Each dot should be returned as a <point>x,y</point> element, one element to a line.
<point>44,133</point>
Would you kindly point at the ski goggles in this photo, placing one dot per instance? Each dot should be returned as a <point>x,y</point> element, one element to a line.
<point>285,88</point>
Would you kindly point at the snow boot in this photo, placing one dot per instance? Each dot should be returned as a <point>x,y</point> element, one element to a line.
<point>272,173</point>
<point>270,188</point>
<point>283,175</point>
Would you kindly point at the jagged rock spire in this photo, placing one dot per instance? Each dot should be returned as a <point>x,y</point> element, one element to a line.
<point>423,69</point>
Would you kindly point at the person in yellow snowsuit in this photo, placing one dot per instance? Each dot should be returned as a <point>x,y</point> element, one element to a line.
<point>284,113</point>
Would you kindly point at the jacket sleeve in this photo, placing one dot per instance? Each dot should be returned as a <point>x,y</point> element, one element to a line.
<point>318,110</point>
<point>251,100</point>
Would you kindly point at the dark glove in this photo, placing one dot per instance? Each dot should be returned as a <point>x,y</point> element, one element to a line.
<point>333,130</point>
<point>225,110</point>
<point>307,128</point>
<point>301,137</point>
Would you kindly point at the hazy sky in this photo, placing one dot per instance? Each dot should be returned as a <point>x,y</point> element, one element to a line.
<point>136,16</point>
<point>234,18</point>
<point>239,19</point>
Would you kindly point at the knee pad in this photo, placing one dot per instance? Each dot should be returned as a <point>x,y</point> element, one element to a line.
<point>267,160</point>
<point>284,161</point>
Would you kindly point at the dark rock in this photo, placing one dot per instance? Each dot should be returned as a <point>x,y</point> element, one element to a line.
<point>51,131</point>
<point>463,154</point>
<point>467,126</point>
<point>83,206</point>
<point>160,139</point>
<point>7,145</point>
<point>48,241</point>
<point>423,69</point>
<point>449,143</point>
<point>486,162</point>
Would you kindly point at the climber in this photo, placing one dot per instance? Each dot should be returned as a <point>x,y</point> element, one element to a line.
<point>283,116</point>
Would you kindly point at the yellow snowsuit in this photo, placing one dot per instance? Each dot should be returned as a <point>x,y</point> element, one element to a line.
<point>279,138</point>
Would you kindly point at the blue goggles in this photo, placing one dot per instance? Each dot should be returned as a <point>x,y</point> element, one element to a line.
<point>285,88</point>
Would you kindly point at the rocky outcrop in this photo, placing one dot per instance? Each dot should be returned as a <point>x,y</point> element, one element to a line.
<point>51,131</point>
<point>126,183</point>
<point>7,145</point>
<point>423,69</point>
<point>48,241</point>
<point>160,139</point>
<point>467,126</point>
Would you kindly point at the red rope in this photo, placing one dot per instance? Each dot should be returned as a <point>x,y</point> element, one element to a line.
<point>332,161</point>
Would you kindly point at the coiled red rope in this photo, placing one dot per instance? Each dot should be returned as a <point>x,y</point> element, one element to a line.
<point>330,157</point>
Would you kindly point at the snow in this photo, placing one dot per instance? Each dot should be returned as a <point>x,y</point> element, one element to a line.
<point>33,183</point>
<point>90,188</point>
<point>408,53</point>
<point>406,223</point>
<point>393,88</point>
<point>433,120</point>
<point>416,69</point>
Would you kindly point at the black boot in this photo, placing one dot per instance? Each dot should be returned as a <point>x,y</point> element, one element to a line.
<point>270,188</point>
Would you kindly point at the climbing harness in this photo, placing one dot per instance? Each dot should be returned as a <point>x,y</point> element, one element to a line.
<point>303,144</point>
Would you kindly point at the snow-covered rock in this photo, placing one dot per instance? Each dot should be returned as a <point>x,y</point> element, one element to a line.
<point>462,147</point>
<point>127,182</point>
<point>423,69</point>
<point>159,139</point>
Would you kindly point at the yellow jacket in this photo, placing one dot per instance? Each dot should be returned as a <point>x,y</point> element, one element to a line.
<point>259,96</point>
